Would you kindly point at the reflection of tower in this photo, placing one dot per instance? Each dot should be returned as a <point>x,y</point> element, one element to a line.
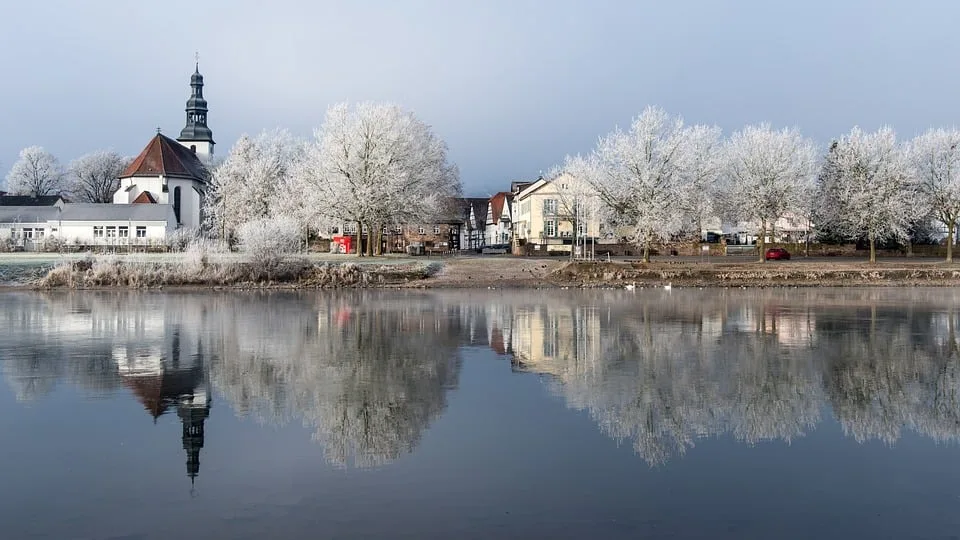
<point>193,410</point>
<point>171,374</point>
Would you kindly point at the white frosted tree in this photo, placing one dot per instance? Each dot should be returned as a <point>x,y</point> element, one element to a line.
<point>37,172</point>
<point>641,177</point>
<point>703,166</point>
<point>250,183</point>
<point>94,177</point>
<point>875,188</point>
<point>935,157</point>
<point>767,174</point>
<point>375,164</point>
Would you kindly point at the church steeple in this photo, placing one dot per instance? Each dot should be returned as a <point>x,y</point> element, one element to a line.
<point>193,410</point>
<point>195,134</point>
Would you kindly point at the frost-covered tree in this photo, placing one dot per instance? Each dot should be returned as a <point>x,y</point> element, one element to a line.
<point>641,176</point>
<point>935,156</point>
<point>37,172</point>
<point>250,184</point>
<point>375,164</point>
<point>767,174</point>
<point>94,177</point>
<point>876,193</point>
<point>826,213</point>
<point>266,241</point>
<point>703,167</point>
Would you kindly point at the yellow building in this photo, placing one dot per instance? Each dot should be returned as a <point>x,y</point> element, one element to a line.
<point>552,214</point>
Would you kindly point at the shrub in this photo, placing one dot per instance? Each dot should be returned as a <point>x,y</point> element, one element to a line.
<point>267,241</point>
<point>179,239</point>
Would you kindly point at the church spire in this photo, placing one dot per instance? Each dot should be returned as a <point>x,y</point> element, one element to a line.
<point>195,134</point>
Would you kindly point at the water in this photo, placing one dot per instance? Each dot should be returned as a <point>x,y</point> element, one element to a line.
<point>481,414</point>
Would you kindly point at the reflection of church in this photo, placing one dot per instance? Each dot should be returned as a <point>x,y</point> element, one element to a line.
<point>171,376</point>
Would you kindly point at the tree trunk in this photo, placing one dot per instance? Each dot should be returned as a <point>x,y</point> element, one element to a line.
<point>873,249</point>
<point>762,240</point>
<point>359,246</point>
<point>646,251</point>
<point>950,227</point>
<point>369,241</point>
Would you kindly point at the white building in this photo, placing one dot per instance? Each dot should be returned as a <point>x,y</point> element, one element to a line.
<point>499,220</point>
<point>163,189</point>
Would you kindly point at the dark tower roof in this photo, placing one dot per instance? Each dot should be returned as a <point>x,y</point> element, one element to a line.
<point>165,156</point>
<point>196,128</point>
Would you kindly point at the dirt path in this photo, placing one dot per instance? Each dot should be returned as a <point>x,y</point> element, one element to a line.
<point>493,271</point>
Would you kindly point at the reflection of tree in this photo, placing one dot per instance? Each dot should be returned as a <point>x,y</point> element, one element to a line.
<point>369,376</point>
<point>884,374</point>
<point>370,371</point>
<point>670,369</point>
<point>47,339</point>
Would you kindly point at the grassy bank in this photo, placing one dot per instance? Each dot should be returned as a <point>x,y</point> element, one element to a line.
<point>117,272</point>
<point>753,274</point>
<point>468,272</point>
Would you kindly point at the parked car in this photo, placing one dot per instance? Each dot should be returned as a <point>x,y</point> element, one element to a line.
<point>495,249</point>
<point>777,254</point>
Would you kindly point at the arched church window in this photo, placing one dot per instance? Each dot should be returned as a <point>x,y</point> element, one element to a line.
<point>176,203</point>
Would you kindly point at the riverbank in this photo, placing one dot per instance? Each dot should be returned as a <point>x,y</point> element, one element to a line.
<point>473,272</point>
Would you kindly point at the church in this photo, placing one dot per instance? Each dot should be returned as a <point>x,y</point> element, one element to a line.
<point>162,190</point>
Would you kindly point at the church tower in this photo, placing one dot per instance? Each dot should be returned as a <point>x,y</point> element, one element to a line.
<point>196,135</point>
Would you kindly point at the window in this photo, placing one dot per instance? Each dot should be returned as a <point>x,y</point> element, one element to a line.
<point>38,233</point>
<point>176,203</point>
<point>141,231</point>
<point>420,230</point>
<point>384,229</point>
<point>549,207</point>
<point>436,229</point>
<point>350,228</point>
<point>398,229</point>
<point>97,231</point>
<point>550,227</point>
<point>123,232</point>
<point>454,230</point>
<point>111,232</point>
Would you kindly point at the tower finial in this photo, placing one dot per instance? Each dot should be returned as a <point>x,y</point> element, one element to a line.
<point>158,130</point>
<point>196,58</point>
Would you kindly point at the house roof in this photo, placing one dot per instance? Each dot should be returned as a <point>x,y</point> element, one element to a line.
<point>497,203</point>
<point>28,214</point>
<point>480,213</point>
<point>157,392</point>
<point>165,156</point>
<point>525,192</point>
<point>479,206</point>
<point>29,200</point>
<point>144,198</point>
<point>117,212</point>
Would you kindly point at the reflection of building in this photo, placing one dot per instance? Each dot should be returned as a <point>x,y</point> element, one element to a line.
<point>555,340</point>
<point>171,375</point>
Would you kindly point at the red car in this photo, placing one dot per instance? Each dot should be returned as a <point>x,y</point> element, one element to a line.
<point>777,254</point>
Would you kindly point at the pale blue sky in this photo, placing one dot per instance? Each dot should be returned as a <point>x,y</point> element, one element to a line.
<point>512,86</point>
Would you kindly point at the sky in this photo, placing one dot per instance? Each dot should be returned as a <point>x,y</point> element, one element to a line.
<point>512,86</point>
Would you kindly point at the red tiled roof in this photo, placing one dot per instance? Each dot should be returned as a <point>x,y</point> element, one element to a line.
<point>160,391</point>
<point>165,156</point>
<point>145,198</point>
<point>496,203</point>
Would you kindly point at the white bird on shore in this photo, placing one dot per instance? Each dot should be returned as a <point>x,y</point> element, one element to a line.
<point>668,286</point>
<point>630,286</point>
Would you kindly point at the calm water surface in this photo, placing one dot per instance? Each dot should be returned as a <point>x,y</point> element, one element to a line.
<point>494,414</point>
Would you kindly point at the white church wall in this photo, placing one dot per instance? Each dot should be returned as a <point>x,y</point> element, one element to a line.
<point>107,233</point>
